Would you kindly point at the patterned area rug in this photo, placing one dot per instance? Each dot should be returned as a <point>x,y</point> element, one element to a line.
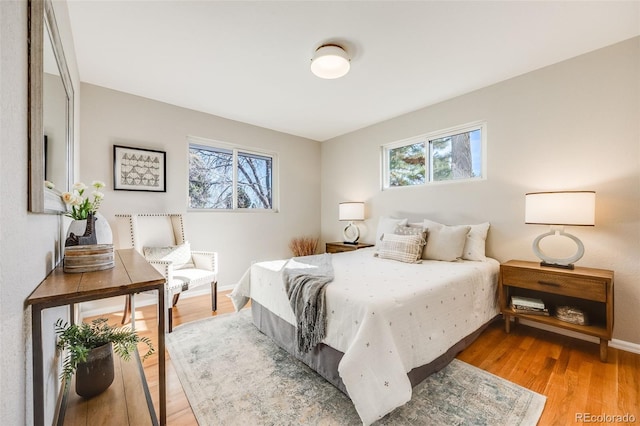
<point>233,374</point>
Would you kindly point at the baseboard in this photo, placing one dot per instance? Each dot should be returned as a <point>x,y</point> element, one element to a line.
<point>625,346</point>
<point>116,304</point>
<point>614,343</point>
<point>226,287</point>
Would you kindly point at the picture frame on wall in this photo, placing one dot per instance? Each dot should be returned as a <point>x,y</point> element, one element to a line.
<point>138,169</point>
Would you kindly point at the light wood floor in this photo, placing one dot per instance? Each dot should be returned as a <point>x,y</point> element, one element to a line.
<point>567,371</point>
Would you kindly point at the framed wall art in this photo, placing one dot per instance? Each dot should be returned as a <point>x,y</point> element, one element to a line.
<point>137,169</point>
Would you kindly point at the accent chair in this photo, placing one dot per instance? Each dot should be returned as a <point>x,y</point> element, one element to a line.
<point>160,238</point>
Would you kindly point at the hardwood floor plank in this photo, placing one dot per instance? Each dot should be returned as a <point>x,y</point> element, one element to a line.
<point>628,382</point>
<point>567,371</point>
<point>536,367</point>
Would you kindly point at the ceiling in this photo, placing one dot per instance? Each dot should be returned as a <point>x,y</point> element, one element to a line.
<point>249,61</point>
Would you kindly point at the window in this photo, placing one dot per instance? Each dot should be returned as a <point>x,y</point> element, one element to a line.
<point>230,178</point>
<point>453,154</point>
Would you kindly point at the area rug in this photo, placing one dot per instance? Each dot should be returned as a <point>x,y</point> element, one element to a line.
<point>233,374</point>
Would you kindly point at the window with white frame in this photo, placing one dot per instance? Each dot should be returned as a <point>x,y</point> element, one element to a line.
<point>448,155</point>
<point>226,177</point>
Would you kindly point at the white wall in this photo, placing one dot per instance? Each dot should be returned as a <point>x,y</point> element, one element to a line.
<point>573,125</point>
<point>110,117</point>
<point>28,241</point>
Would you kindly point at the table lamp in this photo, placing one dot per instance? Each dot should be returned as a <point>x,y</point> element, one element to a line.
<point>560,209</point>
<point>351,211</point>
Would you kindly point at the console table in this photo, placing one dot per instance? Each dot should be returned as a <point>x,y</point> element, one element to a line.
<point>131,274</point>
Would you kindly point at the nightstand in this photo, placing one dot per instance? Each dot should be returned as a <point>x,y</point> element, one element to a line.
<point>589,289</point>
<point>339,246</point>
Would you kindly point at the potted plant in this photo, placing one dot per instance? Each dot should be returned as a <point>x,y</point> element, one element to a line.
<point>89,352</point>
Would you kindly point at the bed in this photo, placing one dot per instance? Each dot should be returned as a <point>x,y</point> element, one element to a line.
<point>389,324</point>
<point>394,313</point>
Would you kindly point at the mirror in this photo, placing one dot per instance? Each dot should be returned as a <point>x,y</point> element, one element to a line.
<point>50,112</point>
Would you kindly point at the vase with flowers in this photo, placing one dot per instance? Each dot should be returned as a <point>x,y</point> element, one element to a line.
<point>88,226</point>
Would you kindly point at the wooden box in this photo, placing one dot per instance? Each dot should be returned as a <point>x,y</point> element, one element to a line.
<point>87,258</point>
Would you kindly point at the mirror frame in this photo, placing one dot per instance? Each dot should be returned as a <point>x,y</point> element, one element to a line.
<point>42,18</point>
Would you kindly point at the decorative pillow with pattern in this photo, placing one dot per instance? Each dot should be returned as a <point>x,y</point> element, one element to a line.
<point>411,230</point>
<point>404,248</point>
<point>180,255</point>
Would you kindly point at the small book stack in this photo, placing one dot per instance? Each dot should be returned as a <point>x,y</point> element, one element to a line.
<point>528,305</point>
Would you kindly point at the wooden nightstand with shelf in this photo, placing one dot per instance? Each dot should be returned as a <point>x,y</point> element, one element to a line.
<point>589,289</point>
<point>339,247</point>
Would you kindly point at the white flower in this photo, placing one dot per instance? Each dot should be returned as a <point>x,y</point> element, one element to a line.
<point>49,185</point>
<point>67,197</point>
<point>98,195</point>
<point>77,200</point>
<point>79,186</point>
<point>97,184</point>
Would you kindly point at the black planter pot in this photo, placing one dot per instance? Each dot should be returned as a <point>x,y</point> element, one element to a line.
<point>96,374</point>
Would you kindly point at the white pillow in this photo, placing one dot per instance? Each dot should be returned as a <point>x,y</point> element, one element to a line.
<point>404,248</point>
<point>180,255</point>
<point>474,247</point>
<point>444,242</point>
<point>387,225</point>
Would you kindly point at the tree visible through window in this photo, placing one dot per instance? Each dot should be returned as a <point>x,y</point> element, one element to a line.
<point>443,156</point>
<point>254,181</point>
<point>407,165</point>
<point>452,156</point>
<point>229,179</point>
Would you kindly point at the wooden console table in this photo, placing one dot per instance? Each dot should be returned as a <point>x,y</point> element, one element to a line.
<point>131,274</point>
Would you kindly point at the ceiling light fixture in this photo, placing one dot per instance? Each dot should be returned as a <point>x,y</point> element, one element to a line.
<point>330,61</point>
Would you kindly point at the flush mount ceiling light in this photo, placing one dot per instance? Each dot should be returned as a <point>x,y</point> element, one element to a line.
<point>330,61</point>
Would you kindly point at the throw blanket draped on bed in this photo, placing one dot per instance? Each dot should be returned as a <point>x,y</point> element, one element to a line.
<point>305,280</point>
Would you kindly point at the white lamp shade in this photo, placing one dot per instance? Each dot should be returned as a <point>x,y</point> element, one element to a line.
<point>351,211</point>
<point>561,208</point>
<point>330,61</point>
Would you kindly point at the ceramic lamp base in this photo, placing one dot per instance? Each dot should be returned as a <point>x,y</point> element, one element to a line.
<point>351,234</point>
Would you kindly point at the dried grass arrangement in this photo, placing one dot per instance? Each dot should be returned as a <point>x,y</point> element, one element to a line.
<point>303,246</point>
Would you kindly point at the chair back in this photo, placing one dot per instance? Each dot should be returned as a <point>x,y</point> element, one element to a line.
<point>149,230</point>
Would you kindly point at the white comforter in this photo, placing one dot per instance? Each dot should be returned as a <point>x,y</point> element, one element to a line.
<point>386,316</point>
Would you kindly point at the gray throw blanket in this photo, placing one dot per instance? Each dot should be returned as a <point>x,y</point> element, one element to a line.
<point>306,288</point>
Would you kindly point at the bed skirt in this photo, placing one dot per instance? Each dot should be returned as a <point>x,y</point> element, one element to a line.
<point>325,359</point>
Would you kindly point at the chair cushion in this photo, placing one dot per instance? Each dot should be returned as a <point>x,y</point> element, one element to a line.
<point>180,255</point>
<point>185,279</point>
